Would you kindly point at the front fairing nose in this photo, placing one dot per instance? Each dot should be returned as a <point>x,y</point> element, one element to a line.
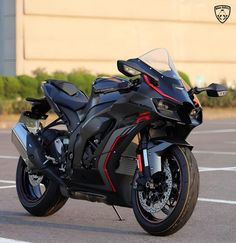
<point>174,87</point>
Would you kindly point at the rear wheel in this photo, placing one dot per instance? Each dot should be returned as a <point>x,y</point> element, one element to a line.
<point>37,194</point>
<point>168,199</point>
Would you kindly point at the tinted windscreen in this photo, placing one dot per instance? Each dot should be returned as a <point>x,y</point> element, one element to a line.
<point>160,60</point>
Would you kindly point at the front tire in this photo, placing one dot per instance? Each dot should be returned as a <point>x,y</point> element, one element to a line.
<point>37,194</point>
<point>162,220</point>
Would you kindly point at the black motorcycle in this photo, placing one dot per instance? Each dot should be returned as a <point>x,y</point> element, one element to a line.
<point>124,145</point>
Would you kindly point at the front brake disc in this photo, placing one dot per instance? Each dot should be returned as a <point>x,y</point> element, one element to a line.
<point>155,207</point>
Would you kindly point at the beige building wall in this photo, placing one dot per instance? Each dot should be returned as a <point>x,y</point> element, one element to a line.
<point>7,37</point>
<point>93,34</point>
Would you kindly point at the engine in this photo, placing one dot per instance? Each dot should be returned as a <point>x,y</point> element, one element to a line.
<point>89,158</point>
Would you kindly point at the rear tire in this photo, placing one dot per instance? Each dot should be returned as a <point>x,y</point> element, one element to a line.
<point>40,199</point>
<point>184,205</point>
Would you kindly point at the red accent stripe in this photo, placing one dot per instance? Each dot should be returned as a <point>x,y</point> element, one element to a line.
<point>140,164</point>
<point>144,116</point>
<point>107,160</point>
<point>144,113</point>
<point>158,90</point>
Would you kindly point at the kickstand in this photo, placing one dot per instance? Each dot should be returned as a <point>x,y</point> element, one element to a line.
<point>117,213</point>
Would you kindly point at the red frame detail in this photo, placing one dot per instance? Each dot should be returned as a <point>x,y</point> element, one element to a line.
<point>196,101</point>
<point>157,89</point>
<point>107,159</point>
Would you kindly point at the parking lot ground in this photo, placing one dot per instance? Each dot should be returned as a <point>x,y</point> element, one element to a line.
<point>214,219</point>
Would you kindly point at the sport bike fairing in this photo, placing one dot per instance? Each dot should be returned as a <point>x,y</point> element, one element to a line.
<point>114,114</point>
<point>160,74</point>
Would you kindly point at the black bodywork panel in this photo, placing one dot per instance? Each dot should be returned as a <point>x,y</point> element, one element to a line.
<point>107,122</point>
<point>111,84</point>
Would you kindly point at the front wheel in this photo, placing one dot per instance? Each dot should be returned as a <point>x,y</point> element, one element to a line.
<point>37,194</point>
<point>168,199</point>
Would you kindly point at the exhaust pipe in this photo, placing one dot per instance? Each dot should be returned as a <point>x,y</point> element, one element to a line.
<point>32,152</point>
<point>18,137</point>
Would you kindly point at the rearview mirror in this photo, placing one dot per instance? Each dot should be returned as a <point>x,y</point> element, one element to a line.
<point>216,90</point>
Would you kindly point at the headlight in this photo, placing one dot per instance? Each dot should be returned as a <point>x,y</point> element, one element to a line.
<point>166,109</point>
<point>131,70</point>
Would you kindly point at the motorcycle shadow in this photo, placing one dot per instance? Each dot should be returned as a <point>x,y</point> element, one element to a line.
<point>23,219</point>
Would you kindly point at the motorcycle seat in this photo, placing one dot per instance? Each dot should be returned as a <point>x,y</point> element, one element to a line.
<point>66,94</point>
<point>65,86</point>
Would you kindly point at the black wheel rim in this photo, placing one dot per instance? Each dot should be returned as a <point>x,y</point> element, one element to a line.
<point>172,202</point>
<point>33,193</point>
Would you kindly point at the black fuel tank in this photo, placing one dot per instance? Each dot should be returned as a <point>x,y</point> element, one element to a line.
<point>111,84</point>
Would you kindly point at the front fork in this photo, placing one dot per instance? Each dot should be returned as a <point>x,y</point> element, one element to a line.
<point>146,169</point>
<point>148,162</point>
<point>149,158</point>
